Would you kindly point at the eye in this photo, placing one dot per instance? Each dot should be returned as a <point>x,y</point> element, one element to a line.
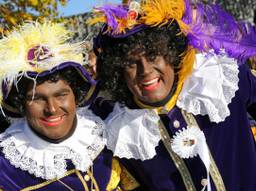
<point>61,95</point>
<point>35,98</point>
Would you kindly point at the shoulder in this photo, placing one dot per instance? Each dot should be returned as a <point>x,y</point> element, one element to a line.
<point>102,107</point>
<point>247,85</point>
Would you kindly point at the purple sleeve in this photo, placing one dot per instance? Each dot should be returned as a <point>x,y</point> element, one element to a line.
<point>247,86</point>
<point>247,89</point>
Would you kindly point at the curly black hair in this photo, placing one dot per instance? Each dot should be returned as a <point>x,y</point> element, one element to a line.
<point>167,41</point>
<point>17,95</point>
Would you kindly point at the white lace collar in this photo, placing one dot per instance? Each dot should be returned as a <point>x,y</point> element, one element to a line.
<point>27,151</point>
<point>211,87</point>
<point>132,133</point>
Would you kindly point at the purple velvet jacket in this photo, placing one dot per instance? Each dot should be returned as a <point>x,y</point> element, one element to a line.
<point>230,142</point>
<point>14,179</point>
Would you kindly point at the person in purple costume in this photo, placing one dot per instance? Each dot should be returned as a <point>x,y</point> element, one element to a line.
<point>54,142</point>
<point>177,72</point>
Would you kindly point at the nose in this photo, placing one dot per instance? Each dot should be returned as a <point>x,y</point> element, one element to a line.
<point>51,107</point>
<point>144,66</point>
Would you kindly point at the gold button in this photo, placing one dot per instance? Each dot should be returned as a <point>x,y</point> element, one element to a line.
<point>86,177</point>
<point>204,182</point>
<point>176,124</point>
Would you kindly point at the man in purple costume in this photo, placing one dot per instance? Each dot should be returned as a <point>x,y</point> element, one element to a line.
<point>54,144</point>
<point>181,123</point>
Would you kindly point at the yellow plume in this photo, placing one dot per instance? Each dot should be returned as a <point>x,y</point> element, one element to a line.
<point>157,12</point>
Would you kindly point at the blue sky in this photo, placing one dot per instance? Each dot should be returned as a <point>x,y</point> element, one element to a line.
<point>81,6</point>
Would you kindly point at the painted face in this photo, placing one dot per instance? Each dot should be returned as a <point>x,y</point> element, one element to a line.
<point>52,110</point>
<point>150,80</point>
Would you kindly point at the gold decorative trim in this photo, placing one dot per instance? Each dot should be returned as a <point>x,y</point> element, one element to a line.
<point>47,182</point>
<point>214,171</point>
<point>82,180</point>
<point>94,182</point>
<point>64,184</point>
<point>179,163</point>
<point>128,182</point>
<point>41,185</point>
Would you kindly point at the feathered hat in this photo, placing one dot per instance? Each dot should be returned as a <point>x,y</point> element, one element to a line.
<point>33,50</point>
<point>206,26</point>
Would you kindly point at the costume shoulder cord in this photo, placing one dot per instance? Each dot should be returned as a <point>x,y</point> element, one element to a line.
<point>179,163</point>
<point>214,171</point>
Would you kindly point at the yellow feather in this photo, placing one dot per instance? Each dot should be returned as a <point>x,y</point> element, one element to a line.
<point>14,49</point>
<point>161,11</point>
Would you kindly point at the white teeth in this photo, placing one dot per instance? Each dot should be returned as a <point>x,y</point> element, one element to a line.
<point>150,82</point>
<point>54,119</point>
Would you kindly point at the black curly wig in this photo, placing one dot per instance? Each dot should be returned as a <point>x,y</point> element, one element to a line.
<point>17,95</point>
<point>167,41</point>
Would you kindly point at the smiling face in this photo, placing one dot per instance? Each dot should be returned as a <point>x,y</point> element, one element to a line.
<point>50,108</point>
<point>150,80</point>
<point>142,64</point>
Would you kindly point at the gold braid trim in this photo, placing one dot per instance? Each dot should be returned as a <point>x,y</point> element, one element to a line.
<point>214,171</point>
<point>94,182</point>
<point>47,182</point>
<point>128,182</point>
<point>179,163</point>
<point>82,180</point>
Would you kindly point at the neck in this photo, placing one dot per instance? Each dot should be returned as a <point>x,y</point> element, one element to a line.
<point>56,141</point>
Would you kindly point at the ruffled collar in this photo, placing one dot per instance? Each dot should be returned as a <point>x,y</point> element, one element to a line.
<point>211,86</point>
<point>25,150</point>
<point>132,133</point>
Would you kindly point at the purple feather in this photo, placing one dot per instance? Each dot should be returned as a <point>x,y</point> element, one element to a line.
<point>215,29</point>
<point>187,17</point>
<point>113,12</point>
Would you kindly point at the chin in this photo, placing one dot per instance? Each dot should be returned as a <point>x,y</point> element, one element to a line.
<point>55,136</point>
<point>154,99</point>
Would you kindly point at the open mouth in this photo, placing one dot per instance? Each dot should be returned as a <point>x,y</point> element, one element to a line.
<point>151,84</point>
<point>52,121</point>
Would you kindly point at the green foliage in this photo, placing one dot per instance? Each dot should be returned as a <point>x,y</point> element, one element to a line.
<point>13,12</point>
